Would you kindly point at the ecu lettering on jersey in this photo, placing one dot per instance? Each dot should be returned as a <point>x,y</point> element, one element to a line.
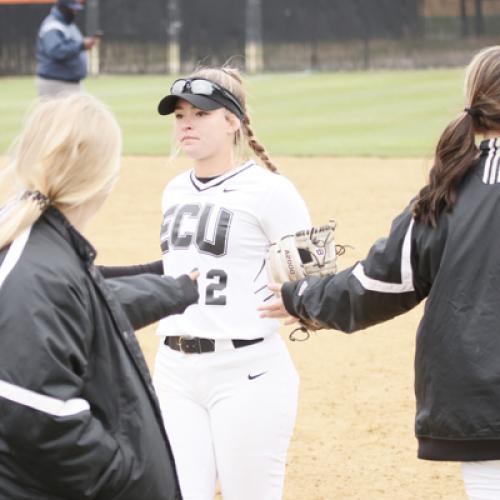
<point>202,225</point>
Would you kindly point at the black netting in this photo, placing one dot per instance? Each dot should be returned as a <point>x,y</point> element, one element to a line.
<point>295,34</point>
<point>130,20</point>
<point>333,20</point>
<point>18,29</point>
<point>212,31</point>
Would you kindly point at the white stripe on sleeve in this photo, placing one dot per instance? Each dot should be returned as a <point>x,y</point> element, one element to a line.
<point>406,284</point>
<point>40,402</point>
<point>487,164</point>
<point>13,254</point>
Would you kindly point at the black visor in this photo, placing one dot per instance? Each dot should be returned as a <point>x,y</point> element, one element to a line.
<point>202,94</point>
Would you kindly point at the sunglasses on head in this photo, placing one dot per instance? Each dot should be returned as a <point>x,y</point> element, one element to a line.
<point>202,86</point>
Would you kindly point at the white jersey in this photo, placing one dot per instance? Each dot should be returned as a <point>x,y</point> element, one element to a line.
<point>224,228</point>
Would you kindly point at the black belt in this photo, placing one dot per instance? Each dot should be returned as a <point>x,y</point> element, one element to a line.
<point>191,345</point>
<point>58,79</point>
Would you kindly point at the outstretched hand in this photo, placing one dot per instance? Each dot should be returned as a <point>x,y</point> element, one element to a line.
<point>276,309</point>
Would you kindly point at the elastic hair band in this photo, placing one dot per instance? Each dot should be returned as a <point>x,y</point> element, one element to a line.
<point>473,112</point>
<point>42,200</point>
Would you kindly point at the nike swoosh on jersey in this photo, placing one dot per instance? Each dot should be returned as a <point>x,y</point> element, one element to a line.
<point>251,377</point>
<point>227,190</point>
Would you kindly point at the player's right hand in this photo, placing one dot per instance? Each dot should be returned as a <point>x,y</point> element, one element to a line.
<point>89,42</point>
<point>276,309</point>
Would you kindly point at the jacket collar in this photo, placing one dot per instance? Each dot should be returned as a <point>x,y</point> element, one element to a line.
<point>488,144</point>
<point>62,225</point>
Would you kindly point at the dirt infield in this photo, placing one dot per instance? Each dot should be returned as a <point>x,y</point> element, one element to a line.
<point>354,435</point>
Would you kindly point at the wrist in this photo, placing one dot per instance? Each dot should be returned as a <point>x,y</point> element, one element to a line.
<point>287,296</point>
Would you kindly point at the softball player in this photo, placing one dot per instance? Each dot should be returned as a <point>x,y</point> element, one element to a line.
<point>226,383</point>
<point>444,248</point>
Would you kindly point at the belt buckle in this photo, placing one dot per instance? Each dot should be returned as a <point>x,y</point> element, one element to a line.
<point>189,345</point>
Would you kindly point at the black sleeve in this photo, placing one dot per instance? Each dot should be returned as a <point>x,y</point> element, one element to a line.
<point>47,424</point>
<point>147,298</point>
<point>120,271</point>
<point>392,279</point>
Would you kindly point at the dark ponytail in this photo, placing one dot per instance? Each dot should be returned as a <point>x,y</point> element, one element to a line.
<point>456,154</point>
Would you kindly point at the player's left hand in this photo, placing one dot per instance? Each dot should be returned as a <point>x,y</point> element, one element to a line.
<point>276,309</point>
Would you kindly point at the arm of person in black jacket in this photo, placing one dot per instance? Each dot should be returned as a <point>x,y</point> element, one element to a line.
<point>390,281</point>
<point>49,427</point>
<point>121,271</point>
<point>146,298</point>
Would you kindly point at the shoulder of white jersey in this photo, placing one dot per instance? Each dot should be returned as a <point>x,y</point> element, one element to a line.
<point>267,180</point>
<point>179,181</point>
<point>280,186</point>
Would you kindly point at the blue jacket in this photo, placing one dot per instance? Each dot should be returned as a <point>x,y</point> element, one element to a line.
<point>59,49</point>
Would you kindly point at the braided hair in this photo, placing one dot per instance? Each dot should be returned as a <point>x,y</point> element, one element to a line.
<point>230,78</point>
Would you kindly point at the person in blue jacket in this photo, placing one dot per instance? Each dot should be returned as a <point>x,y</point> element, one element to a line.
<point>61,50</point>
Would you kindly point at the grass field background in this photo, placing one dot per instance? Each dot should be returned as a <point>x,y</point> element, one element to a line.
<point>379,113</point>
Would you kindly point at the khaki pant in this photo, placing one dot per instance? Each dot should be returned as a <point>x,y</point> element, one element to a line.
<point>53,88</point>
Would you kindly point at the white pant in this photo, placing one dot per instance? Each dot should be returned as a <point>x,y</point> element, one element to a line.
<point>482,479</point>
<point>229,415</point>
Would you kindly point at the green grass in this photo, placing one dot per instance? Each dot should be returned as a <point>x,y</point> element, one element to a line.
<point>376,113</point>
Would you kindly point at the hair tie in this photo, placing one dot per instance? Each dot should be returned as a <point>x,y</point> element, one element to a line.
<point>42,200</point>
<point>473,112</point>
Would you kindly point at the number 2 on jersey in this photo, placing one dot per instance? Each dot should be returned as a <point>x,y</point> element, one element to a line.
<point>211,298</point>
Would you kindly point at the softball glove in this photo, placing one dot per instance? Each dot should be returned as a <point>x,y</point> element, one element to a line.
<point>310,252</point>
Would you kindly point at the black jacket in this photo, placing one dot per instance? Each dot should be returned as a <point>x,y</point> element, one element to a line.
<point>457,268</point>
<point>78,415</point>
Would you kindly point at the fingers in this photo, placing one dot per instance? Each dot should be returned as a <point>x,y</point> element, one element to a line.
<point>274,314</point>
<point>271,306</point>
<point>194,274</point>
<point>277,309</point>
<point>89,42</point>
<point>275,287</point>
<point>274,309</point>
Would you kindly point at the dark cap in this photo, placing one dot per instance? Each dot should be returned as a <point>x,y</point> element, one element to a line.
<point>71,4</point>
<point>206,103</point>
<point>202,94</point>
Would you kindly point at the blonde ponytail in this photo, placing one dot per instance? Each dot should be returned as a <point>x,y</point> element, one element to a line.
<point>14,219</point>
<point>67,154</point>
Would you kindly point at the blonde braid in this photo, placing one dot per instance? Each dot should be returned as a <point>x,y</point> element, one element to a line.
<point>230,78</point>
<point>255,145</point>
